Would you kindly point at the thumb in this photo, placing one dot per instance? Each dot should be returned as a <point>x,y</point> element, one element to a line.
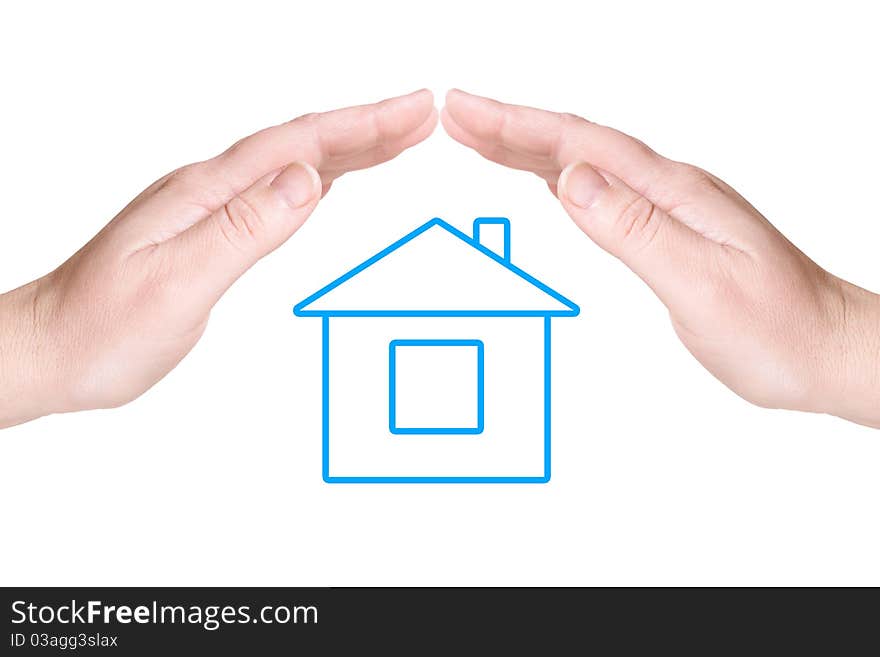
<point>220,248</point>
<point>661,250</point>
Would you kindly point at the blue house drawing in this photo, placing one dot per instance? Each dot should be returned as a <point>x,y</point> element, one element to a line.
<point>436,362</point>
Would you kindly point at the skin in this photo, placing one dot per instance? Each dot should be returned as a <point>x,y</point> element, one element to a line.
<point>753,309</point>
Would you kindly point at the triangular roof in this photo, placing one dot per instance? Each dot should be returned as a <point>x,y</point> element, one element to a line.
<point>441,272</point>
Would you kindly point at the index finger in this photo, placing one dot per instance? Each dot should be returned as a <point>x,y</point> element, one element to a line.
<point>539,140</point>
<point>333,142</point>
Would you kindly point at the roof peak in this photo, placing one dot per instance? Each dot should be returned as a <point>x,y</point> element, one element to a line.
<point>448,305</point>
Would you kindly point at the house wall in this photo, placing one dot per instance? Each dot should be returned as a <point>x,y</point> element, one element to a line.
<point>360,442</point>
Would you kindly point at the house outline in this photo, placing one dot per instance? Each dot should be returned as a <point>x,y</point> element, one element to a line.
<point>571,310</point>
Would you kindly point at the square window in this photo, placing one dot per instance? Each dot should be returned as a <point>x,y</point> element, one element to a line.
<point>436,386</point>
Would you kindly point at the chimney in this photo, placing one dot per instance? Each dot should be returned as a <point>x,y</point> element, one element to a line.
<point>493,233</point>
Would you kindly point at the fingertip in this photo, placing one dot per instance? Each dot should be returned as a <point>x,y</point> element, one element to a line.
<point>422,132</point>
<point>475,114</point>
<point>446,118</point>
<point>451,94</point>
<point>580,185</point>
<point>405,114</point>
<point>454,129</point>
<point>433,120</point>
<point>562,181</point>
<point>461,94</point>
<point>456,97</point>
<point>420,97</point>
<point>563,175</point>
<point>299,184</point>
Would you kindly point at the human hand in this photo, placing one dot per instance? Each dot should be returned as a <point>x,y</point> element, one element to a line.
<point>125,309</point>
<point>753,309</point>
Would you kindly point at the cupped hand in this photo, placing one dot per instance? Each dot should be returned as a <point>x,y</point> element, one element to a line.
<point>753,309</point>
<point>124,310</point>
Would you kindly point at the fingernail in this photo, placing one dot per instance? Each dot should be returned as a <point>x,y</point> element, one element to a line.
<point>298,184</point>
<point>582,184</point>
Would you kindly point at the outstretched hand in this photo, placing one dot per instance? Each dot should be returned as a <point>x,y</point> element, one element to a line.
<point>754,310</point>
<point>125,309</point>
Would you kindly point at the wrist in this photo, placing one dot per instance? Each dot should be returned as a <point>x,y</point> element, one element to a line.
<point>30,381</point>
<point>852,384</point>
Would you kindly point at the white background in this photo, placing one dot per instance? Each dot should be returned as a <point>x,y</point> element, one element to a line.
<point>660,474</point>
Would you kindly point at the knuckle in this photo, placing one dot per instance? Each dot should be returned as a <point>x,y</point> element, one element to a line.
<point>311,117</point>
<point>720,291</point>
<point>570,124</point>
<point>196,182</point>
<point>568,119</point>
<point>696,179</point>
<point>147,279</point>
<point>638,222</point>
<point>156,288</point>
<point>240,222</point>
<point>186,177</point>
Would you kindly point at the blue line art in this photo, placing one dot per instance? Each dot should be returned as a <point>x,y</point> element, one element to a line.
<point>325,397</point>
<point>494,221</point>
<point>392,388</point>
<point>338,466</point>
<point>546,399</point>
<point>301,309</point>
